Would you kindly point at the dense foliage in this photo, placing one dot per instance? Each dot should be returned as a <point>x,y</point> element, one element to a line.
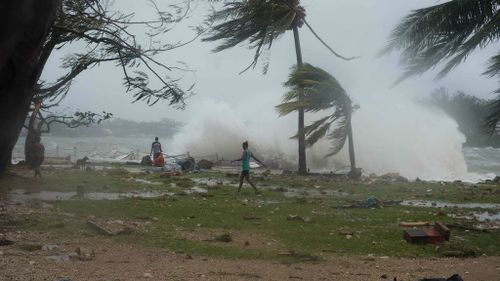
<point>470,113</point>
<point>447,33</point>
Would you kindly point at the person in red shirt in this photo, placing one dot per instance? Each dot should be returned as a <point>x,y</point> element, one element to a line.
<point>38,156</point>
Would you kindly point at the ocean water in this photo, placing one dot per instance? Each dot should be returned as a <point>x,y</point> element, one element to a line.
<point>483,162</point>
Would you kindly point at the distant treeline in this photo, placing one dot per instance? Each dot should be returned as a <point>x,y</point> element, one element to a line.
<point>470,113</point>
<point>119,128</point>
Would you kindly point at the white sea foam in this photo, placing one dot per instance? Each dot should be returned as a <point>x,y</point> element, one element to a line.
<point>391,134</point>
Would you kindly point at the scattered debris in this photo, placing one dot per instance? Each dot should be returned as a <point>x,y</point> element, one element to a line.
<point>85,255</point>
<point>468,227</point>
<point>205,164</point>
<point>438,234</point>
<point>371,202</point>
<point>146,161</point>
<point>415,224</point>
<point>172,168</point>
<point>187,164</point>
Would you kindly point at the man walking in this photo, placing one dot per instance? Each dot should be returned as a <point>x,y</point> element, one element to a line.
<point>245,165</point>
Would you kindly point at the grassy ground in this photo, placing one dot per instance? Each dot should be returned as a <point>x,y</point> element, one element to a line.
<point>271,226</point>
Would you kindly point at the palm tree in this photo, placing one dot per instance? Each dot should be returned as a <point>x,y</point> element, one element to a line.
<point>321,91</point>
<point>447,33</point>
<point>260,23</point>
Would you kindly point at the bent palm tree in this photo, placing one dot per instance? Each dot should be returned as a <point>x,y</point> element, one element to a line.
<point>448,33</point>
<point>321,91</point>
<point>260,23</point>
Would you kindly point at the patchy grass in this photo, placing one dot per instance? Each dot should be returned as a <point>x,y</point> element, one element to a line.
<point>328,230</point>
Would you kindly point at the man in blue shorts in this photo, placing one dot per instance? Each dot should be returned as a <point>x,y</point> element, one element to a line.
<point>245,165</point>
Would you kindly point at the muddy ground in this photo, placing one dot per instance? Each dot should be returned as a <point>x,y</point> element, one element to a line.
<point>72,251</point>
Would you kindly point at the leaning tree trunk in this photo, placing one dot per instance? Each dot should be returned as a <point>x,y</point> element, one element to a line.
<point>24,25</point>
<point>31,136</point>
<point>301,133</point>
<point>33,132</point>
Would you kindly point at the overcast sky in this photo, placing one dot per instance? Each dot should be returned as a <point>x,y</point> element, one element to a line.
<point>351,27</point>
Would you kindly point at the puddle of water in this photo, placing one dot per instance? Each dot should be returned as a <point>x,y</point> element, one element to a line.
<point>210,181</point>
<point>21,196</point>
<point>237,170</point>
<point>479,216</point>
<point>440,204</point>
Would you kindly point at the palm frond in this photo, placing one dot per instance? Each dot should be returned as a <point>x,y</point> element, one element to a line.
<point>314,136</point>
<point>493,118</point>
<point>286,108</point>
<point>493,66</point>
<point>445,32</point>
<point>312,127</point>
<point>313,90</point>
<point>338,137</point>
<point>256,22</point>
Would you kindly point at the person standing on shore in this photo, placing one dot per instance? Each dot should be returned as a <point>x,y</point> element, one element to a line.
<point>245,165</point>
<point>156,150</point>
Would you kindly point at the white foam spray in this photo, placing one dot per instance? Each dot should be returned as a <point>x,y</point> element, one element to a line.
<point>392,134</point>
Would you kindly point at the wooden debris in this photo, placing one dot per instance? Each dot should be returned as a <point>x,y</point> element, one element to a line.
<point>415,224</point>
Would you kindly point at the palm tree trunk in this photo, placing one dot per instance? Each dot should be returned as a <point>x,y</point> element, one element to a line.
<point>301,134</point>
<point>354,173</point>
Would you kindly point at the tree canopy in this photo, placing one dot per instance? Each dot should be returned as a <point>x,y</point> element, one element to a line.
<point>448,33</point>
<point>107,36</point>
<point>321,91</point>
